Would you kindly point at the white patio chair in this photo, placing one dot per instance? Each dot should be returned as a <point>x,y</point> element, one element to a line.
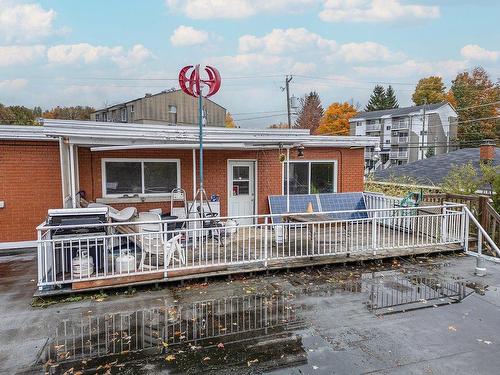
<point>156,251</point>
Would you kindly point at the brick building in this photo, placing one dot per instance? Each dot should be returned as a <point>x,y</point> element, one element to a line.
<point>122,165</point>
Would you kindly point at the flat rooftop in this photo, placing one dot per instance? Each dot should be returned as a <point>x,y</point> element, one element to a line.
<point>407,315</point>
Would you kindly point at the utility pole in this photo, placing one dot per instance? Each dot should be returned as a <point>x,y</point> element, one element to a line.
<point>287,88</point>
<point>423,131</point>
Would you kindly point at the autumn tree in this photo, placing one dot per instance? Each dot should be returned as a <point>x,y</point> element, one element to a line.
<point>335,120</point>
<point>310,112</point>
<point>474,93</point>
<point>229,121</point>
<point>21,115</point>
<point>390,98</point>
<point>377,99</point>
<point>429,90</point>
<point>69,113</point>
<point>6,115</point>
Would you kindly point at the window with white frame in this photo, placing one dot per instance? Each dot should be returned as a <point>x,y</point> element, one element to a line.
<point>139,176</point>
<point>311,177</point>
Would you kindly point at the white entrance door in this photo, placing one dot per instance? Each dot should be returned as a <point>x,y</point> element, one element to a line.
<point>241,189</point>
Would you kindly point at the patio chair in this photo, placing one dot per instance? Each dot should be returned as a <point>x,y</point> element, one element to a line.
<point>158,252</point>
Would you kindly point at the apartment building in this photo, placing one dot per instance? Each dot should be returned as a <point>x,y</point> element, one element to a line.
<point>169,107</point>
<point>406,134</point>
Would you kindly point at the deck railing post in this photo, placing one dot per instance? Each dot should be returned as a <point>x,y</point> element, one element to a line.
<point>266,221</point>
<point>374,235</point>
<point>444,224</point>
<point>39,254</point>
<point>463,227</point>
<point>466,230</point>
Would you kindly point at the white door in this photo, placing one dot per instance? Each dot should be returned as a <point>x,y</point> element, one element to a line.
<point>241,189</point>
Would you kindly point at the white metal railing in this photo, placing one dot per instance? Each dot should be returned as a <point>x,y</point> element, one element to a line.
<point>405,124</point>
<point>372,127</point>
<point>161,247</point>
<point>398,154</point>
<point>395,140</point>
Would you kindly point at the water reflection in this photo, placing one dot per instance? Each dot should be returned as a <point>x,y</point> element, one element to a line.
<point>257,330</point>
<point>179,332</point>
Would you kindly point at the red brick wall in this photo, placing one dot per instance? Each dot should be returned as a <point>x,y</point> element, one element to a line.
<point>269,179</point>
<point>30,184</point>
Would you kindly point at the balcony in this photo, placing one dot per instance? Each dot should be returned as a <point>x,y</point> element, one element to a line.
<point>369,154</point>
<point>399,139</point>
<point>398,155</point>
<point>403,124</point>
<point>373,127</point>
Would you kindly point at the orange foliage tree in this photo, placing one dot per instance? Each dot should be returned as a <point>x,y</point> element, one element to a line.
<point>335,120</point>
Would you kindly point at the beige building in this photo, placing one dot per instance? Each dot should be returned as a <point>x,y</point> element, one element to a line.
<point>167,107</point>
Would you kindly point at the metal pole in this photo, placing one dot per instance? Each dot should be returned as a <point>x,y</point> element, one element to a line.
<point>287,87</point>
<point>423,131</point>
<point>288,180</point>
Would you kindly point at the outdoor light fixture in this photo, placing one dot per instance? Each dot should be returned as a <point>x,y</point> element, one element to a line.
<point>300,151</point>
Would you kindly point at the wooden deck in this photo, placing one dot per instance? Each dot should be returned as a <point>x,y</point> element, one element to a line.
<point>300,248</point>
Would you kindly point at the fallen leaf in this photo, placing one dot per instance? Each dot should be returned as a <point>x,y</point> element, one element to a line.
<point>451,328</point>
<point>170,358</point>
<point>251,362</point>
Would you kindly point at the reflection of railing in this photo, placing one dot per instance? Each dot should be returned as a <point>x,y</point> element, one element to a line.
<point>228,320</point>
<point>403,293</point>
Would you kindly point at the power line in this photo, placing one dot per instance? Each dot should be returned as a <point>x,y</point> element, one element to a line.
<point>477,106</point>
<point>254,113</point>
<point>261,117</point>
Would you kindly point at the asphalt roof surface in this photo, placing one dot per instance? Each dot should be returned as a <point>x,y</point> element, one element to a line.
<point>431,171</point>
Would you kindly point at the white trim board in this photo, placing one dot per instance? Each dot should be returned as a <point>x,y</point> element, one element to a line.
<point>18,245</point>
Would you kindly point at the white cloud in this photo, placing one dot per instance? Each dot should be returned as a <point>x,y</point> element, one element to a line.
<point>285,40</point>
<point>13,84</point>
<point>293,40</point>
<point>475,52</point>
<point>411,69</point>
<point>87,53</point>
<point>135,56</point>
<point>24,22</point>
<point>375,11</point>
<point>367,51</point>
<point>188,36</point>
<point>206,9</point>
<point>20,55</point>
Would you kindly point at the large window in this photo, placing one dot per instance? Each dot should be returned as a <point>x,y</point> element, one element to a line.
<point>311,177</point>
<point>142,177</point>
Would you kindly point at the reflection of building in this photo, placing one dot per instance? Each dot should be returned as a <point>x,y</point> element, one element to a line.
<point>406,134</point>
<point>236,322</point>
<point>169,107</point>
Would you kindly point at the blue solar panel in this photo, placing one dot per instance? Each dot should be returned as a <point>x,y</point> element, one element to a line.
<point>320,203</point>
<point>344,202</point>
<point>298,203</point>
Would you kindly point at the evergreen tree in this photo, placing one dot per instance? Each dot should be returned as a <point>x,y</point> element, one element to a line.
<point>377,99</point>
<point>390,98</point>
<point>310,112</point>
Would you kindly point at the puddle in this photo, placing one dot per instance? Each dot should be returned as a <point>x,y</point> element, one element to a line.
<point>254,333</point>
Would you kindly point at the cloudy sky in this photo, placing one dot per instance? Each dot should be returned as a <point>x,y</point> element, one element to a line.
<point>101,52</point>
